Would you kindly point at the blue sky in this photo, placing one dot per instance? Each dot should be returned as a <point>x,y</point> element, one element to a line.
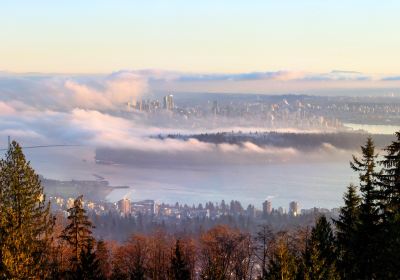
<point>199,36</point>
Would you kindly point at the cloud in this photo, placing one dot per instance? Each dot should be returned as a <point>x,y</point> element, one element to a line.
<point>391,78</point>
<point>129,139</point>
<point>278,75</point>
<point>60,92</point>
<point>87,110</point>
<point>6,109</point>
<point>338,75</point>
<point>111,92</point>
<point>335,75</point>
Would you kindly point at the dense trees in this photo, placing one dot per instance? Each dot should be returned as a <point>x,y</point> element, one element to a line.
<point>362,243</point>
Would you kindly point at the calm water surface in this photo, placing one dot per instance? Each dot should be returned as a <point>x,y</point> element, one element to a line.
<point>318,184</point>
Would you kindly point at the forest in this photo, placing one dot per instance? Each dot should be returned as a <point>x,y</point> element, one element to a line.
<point>362,243</point>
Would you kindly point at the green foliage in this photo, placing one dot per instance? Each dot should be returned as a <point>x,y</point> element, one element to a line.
<point>389,179</point>
<point>78,232</point>
<point>346,234</point>
<point>25,219</point>
<point>389,238</point>
<point>282,263</point>
<point>319,256</point>
<point>367,230</point>
<point>365,241</point>
<point>89,266</point>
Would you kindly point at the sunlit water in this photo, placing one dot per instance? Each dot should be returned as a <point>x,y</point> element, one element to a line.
<point>320,184</point>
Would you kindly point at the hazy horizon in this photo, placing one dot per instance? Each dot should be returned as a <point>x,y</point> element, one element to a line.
<point>97,74</point>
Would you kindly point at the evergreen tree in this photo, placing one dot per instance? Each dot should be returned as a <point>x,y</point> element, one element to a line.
<point>319,256</point>
<point>368,183</point>
<point>282,262</point>
<point>103,256</point>
<point>89,266</point>
<point>389,182</point>
<point>346,234</point>
<point>78,232</point>
<point>390,179</point>
<point>179,266</point>
<point>369,217</point>
<point>25,220</point>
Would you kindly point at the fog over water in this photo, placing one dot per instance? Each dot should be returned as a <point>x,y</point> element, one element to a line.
<point>89,111</point>
<point>318,184</point>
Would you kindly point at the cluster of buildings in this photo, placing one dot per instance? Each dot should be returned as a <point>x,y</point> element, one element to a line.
<point>359,111</point>
<point>125,207</point>
<point>162,211</point>
<point>267,209</point>
<point>275,113</point>
<point>152,106</point>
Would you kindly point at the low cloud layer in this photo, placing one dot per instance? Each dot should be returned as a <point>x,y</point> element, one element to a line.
<point>38,109</point>
<point>62,92</point>
<point>130,139</point>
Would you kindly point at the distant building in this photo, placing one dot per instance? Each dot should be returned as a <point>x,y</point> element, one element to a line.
<point>293,208</point>
<point>251,211</point>
<point>267,208</point>
<point>124,206</point>
<point>139,105</point>
<point>148,207</point>
<point>215,108</point>
<point>168,102</point>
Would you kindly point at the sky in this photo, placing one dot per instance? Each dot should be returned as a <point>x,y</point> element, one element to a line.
<point>208,36</point>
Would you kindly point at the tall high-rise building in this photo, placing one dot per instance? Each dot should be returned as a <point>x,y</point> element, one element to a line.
<point>168,102</point>
<point>267,207</point>
<point>124,206</point>
<point>215,108</point>
<point>139,105</point>
<point>293,208</point>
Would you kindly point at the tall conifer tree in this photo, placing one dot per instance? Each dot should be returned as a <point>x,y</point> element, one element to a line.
<point>389,182</point>
<point>319,256</point>
<point>346,234</point>
<point>78,232</point>
<point>89,266</point>
<point>390,178</point>
<point>369,218</point>
<point>25,219</point>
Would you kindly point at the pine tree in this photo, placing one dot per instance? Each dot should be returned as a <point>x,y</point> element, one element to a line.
<point>369,217</point>
<point>25,219</point>
<point>282,263</point>
<point>89,265</point>
<point>103,256</point>
<point>390,178</point>
<point>78,232</point>
<point>179,266</point>
<point>389,239</point>
<point>346,229</point>
<point>319,256</point>
<point>368,182</point>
